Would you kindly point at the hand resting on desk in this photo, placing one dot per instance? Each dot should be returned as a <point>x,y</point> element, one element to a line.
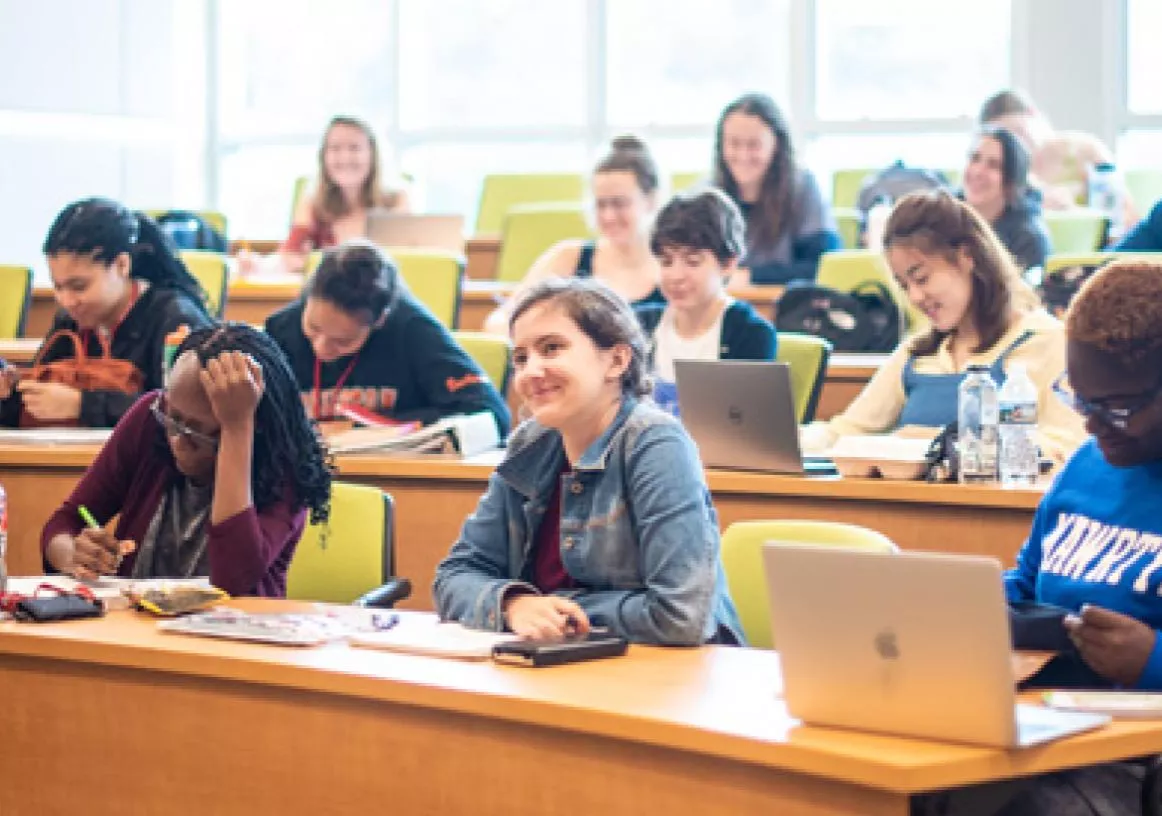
<point>544,617</point>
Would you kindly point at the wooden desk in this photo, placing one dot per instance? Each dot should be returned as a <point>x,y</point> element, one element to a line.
<point>481,254</point>
<point>19,352</point>
<point>199,725</point>
<point>433,497</point>
<point>847,374</point>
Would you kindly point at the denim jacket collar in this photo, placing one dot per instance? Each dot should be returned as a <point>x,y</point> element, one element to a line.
<point>535,449</point>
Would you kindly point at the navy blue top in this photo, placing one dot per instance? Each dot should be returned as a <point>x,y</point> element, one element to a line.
<point>585,270</point>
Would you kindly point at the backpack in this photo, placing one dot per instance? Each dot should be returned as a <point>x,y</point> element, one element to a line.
<point>188,230</point>
<point>1057,288</point>
<point>894,182</point>
<point>865,319</point>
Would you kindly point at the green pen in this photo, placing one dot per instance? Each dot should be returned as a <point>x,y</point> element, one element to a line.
<point>87,517</point>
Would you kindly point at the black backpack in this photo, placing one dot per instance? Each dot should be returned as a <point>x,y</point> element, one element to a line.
<point>865,319</point>
<point>1057,288</point>
<point>894,182</point>
<point>188,230</point>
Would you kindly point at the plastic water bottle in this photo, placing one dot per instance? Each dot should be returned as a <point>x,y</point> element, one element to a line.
<point>1018,422</point>
<point>1105,196</point>
<point>977,421</point>
<point>3,541</point>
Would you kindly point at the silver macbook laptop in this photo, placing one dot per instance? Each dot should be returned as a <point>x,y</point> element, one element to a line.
<point>399,230</point>
<point>914,644</point>
<point>742,415</point>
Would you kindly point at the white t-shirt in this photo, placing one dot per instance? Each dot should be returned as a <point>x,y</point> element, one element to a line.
<point>670,346</point>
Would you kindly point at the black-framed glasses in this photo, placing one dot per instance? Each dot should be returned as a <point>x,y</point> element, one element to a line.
<point>174,427</point>
<point>1116,416</point>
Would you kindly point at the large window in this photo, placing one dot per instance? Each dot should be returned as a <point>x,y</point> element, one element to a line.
<point>1144,58</point>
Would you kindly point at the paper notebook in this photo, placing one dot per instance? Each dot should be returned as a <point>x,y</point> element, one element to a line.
<point>466,435</point>
<point>56,436</point>
<point>1120,704</point>
<point>432,639</point>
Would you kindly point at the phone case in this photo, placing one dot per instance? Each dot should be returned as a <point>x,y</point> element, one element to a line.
<point>538,653</point>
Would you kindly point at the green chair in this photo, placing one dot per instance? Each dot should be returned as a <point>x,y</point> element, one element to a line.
<point>1062,260</point>
<point>806,356</point>
<point>530,229</point>
<point>686,179</point>
<point>211,271</point>
<point>1073,231</point>
<point>433,276</point>
<point>350,558</point>
<point>845,270</point>
<point>845,185</point>
<point>15,299</point>
<point>302,184</point>
<point>847,219</point>
<point>742,559</point>
<point>1145,188</point>
<point>492,353</point>
<point>501,192</point>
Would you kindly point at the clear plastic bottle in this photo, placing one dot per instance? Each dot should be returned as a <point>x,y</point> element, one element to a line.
<point>977,421</point>
<point>1105,196</point>
<point>1017,403</point>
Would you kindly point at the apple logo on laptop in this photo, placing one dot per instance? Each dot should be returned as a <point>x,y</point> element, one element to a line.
<point>886,645</point>
<point>734,414</point>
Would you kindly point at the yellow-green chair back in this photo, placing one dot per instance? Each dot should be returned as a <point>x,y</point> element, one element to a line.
<point>806,357</point>
<point>530,229</point>
<point>1075,230</point>
<point>214,218</point>
<point>433,277</point>
<point>210,270</point>
<point>1145,188</point>
<point>491,352</point>
<point>845,270</point>
<point>847,220</point>
<point>302,184</point>
<point>349,554</point>
<point>1063,260</point>
<point>684,180</point>
<point>15,298</point>
<point>845,185</point>
<point>502,192</point>
<point>742,559</point>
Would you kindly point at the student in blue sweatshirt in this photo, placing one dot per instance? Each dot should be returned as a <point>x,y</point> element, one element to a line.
<point>1096,543</point>
<point>1146,236</point>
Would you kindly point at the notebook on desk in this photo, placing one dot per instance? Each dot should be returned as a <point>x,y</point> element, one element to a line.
<point>742,415</point>
<point>915,644</point>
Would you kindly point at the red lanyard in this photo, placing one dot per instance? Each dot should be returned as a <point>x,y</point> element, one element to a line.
<point>134,294</point>
<point>317,391</point>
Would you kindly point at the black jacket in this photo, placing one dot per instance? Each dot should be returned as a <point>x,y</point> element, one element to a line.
<point>140,339</point>
<point>1022,230</point>
<point>746,335</point>
<point>410,368</point>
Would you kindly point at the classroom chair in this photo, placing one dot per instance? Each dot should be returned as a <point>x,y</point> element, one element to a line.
<point>1145,188</point>
<point>15,300</point>
<point>433,276</point>
<point>349,558</point>
<point>530,229</point>
<point>1063,260</point>
<point>847,269</point>
<point>1075,230</point>
<point>847,220</point>
<point>211,271</point>
<point>501,192</point>
<point>686,179</point>
<point>742,546</point>
<point>806,356</point>
<point>492,353</point>
<point>845,185</point>
<point>302,184</point>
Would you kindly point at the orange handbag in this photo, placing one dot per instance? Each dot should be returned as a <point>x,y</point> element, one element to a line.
<point>85,373</point>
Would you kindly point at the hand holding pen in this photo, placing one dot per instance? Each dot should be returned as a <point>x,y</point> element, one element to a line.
<point>96,551</point>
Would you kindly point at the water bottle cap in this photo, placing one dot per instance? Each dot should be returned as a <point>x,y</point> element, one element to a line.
<point>978,367</point>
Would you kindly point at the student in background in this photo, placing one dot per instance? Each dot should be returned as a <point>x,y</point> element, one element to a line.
<point>1060,161</point>
<point>1093,547</point>
<point>788,223</point>
<point>625,197</point>
<point>358,337</point>
<point>996,185</point>
<point>114,274</point>
<point>953,268</point>
<point>698,238</point>
<point>349,185</point>
<point>1146,236</point>
<point>211,477</point>
<point>599,515</point>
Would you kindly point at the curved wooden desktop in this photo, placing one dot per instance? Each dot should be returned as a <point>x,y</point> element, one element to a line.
<point>433,497</point>
<point>113,716</point>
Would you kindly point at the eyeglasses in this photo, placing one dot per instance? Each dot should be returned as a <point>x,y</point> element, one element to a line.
<point>1118,416</point>
<point>175,427</point>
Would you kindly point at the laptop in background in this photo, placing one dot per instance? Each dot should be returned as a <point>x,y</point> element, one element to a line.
<point>913,644</point>
<point>388,229</point>
<point>742,415</point>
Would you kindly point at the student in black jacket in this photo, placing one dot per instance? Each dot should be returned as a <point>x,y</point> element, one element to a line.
<point>358,337</point>
<point>698,239</point>
<point>117,276</point>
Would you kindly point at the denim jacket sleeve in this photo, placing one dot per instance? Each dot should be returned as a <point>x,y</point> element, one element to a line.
<point>676,530</point>
<point>472,580</point>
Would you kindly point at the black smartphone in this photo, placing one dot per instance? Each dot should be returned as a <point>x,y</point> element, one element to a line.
<point>539,653</point>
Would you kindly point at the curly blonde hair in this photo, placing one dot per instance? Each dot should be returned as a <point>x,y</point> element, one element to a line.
<point>1119,310</point>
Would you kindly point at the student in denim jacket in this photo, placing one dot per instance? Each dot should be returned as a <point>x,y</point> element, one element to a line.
<point>599,514</point>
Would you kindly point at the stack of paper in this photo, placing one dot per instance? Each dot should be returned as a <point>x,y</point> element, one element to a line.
<point>426,636</point>
<point>465,435</point>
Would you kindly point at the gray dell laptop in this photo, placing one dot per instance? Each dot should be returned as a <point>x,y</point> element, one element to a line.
<point>742,415</point>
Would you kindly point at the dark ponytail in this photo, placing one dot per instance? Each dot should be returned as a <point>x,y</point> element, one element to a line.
<point>102,229</point>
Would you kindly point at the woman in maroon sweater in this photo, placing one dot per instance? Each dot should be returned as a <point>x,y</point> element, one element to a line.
<point>213,476</point>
